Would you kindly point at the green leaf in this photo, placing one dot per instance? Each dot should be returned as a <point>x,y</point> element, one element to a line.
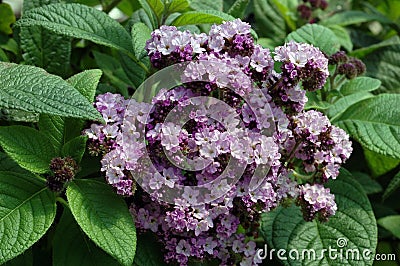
<point>104,217</point>
<point>369,185</point>
<point>238,8</point>
<point>379,164</point>
<point>343,103</point>
<point>200,5</point>
<point>343,36</point>
<point>140,34</point>
<point>384,65</point>
<point>72,247</point>
<point>360,84</point>
<point>201,17</point>
<point>3,56</point>
<point>135,74</point>
<point>374,123</point>
<point>9,44</point>
<point>75,148</point>
<point>141,16</point>
<point>86,82</point>
<point>79,21</point>
<point>31,89</point>
<point>284,10</point>
<point>157,6</point>
<point>7,18</point>
<point>178,6</point>
<point>392,187</point>
<point>28,147</point>
<point>346,18</point>
<point>27,209</point>
<point>148,251</point>
<point>391,223</point>
<point>43,48</point>
<point>18,115</point>
<point>395,40</point>
<point>26,259</point>
<point>268,17</point>
<point>285,228</point>
<point>7,164</point>
<point>317,35</point>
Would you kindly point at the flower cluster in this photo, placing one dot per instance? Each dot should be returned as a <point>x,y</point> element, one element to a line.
<point>350,67</point>
<point>236,118</point>
<point>306,11</point>
<point>63,170</point>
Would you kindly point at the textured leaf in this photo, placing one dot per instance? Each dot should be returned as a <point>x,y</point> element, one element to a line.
<point>32,89</point>
<point>148,14</point>
<point>27,209</point>
<point>284,228</point>
<point>72,247</point>
<point>395,40</point>
<point>346,18</point>
<point>343,36</point>
<point>75,148</point>
<point>79,21</point>
<point>391,223</point>
<point>206,5</point>
<point>392,187</point>
<point>360,84</point>
<point>104,217</point>
<point>380,164</point>
<point>18,115</point>
<point>8,164</point>
<point>31,4</point>
<point>201,17</point>
<point>148,251</point>
<point>28,147</point>
<point>375,123</point>
<point>369,185</point>
<point>384,64</point>
<point>157,6</point>
<point>268,17</point>
<point>135,74</point>
<point>25,259</point>
<point>318,35</point>
<point>7,18</point>
<point>238,8</point>
<point>86,82</point>
<point>341,105</point>
<point>140,34</point>
<point>141,16</point>
<point>178,6</point>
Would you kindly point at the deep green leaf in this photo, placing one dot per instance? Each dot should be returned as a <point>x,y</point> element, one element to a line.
<point>25,259</point>
<point>395,40</point>
<point>7,18</point>
<point>284,228</point>
<point>3,56</point>
<point>284,6</point>
<point>360,84</point>
<point>86,82</point>
<point>375,123</point>
<point>379,164</point>
<point>31,4</point>
<point>27,209</point>
<point>135,74</point>
<point>148,251</point>
<point>75,148</point>
<point>201,17</point>
<point>72,247</point>
<point>8,164</point>
<point>268,17</point>
<point>369,185</point>
<point>346,18</point>
<point>104,217</point>
<point>28,147</point>
<point>343,36</point>
<point>32,89</point>
<point>206,4</point>
<point>140,34</point>
<point>343,103</point>
<point>8,44</point>
<point>18,115</point>
<point>147,14</point>
<point>141,16</point>
<point>157,6</point>
<point>392,187</point>
<point>318,35</point>
<point>238,8</point>
<point>384,65</point>
<point>391,223</point>
<point>178,6</point>
<point>79,21</point>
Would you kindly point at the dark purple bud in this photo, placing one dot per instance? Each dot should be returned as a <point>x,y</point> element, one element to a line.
<point>305,12</point>
<point>348,69</point>
<point>339,57</point>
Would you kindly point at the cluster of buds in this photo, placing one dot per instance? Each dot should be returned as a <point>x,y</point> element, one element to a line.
<point>63,170</point>
<point>306,10</point>
<point>351,67</point>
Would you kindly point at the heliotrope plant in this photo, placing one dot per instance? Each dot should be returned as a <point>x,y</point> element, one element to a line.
<point>302,153</point>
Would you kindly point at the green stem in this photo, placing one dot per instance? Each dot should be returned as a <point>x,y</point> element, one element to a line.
<point>109,7</point>
<point>292,153</point>
<point>137,61</point>
<point>63,202</point>
<point>303,177</point>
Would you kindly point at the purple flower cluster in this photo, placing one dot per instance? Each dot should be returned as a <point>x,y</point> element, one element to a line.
<point>306,11</point>
<point>261,128</point>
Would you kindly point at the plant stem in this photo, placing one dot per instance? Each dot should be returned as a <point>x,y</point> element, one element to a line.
<point>137,61</point>
<point>63,202</point>
<point>109,7</point>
